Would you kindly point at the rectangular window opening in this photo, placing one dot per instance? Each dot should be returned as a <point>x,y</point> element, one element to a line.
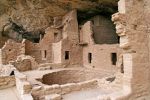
<point>66,55</point>
<point>55,37</point>
<point>89,57</point>
<point>45,53</point>
<point>118,39</point>
<point>114,58</point>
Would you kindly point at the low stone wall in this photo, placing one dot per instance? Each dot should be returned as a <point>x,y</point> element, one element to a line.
<point>23,86</point>
<point>7,81</point>
<point>47,66</point>
<point>25,63</point>
<point>39,92</point>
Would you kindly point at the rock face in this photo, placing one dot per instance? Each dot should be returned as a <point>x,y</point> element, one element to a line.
<point>37,15</point>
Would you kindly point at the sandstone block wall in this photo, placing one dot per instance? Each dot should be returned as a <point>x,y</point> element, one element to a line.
<point>137,31</point>
<point>47,66</point>
<point>52,36</point>
<point>42,51</point>
<point>56,52</point>
<point>101,54</point>
<point>75,51</point>
<point>132,25</point>
<point>41,92</point>
<point>70,27</point>
<point>11,50</point>
<point>7,81</point>
<point>33,49</point>
<point>25,63</point>
<point>86,33</point>
<point>23,86</point>
<point>69,42</point>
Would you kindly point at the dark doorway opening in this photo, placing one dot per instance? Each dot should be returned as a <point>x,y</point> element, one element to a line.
<point>90,57</point>
<point>66,55</point>
<point>45,53</point>
<point>114,58</point>
<point>118,39</point>
<point>55,37</point>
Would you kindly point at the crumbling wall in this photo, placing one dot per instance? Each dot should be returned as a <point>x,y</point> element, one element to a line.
<point>25,63</point>
<point>86,33</point>
<point>7,78</point>
<point>68,48</point>
<point>71,39</point>
<point>70,27</point>
<point>47,91</point>
<point>58,40</point>
<point>42,51</point>
<point>11,50</point>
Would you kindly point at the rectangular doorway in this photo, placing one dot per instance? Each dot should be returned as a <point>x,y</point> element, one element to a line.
<point>67,55</point>
<point>113,58</point>
<point>90,57</point>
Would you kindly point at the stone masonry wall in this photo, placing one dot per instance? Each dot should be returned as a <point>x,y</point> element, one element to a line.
<point>132,24</point>
<point>70,27</point>
<point>52,36</point>
<point>69,42</point>
<point>11,50</point>
<point>42,51</point>
<point>101,55</point>
<point>33,49</point>
<point>56,52</point>
<point>137,31</point>
<point>7,81</point>
<point>23,86</point>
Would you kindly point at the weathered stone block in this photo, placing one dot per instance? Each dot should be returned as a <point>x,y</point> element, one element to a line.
<point>53,97</point>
